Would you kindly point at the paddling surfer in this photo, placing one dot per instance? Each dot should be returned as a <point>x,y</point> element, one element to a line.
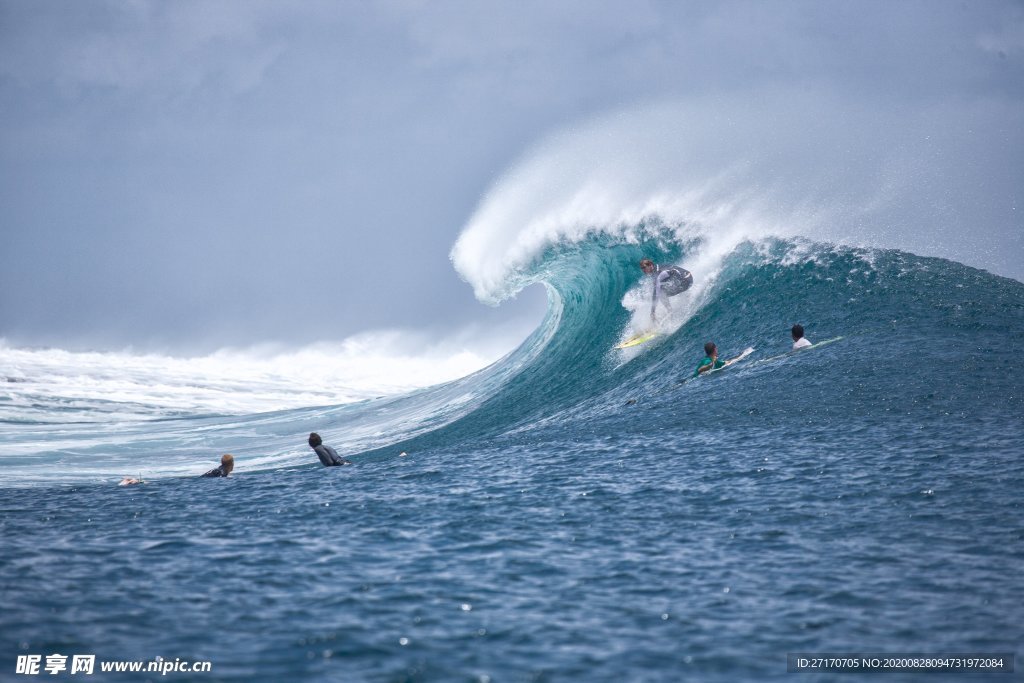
<point>227,463</point>
<point>799,340</point>
<point>328,456</point>
<point>712,362</point>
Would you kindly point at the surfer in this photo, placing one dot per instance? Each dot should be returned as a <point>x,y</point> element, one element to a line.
<point>328,456</point>
<point>227,463</point>
<point>668,281</point>
<point>799,340</point>
<point>711,361</point>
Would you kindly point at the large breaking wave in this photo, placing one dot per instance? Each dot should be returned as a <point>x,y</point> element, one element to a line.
<point>790,210</point>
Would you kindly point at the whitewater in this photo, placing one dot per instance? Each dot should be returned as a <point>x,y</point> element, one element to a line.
<point>561,510</point>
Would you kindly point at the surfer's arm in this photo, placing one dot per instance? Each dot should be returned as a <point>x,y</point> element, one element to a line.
<point>739,357</point>
<point>706,367</point>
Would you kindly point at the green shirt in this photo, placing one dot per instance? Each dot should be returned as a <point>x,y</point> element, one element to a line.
<point>707,361</point>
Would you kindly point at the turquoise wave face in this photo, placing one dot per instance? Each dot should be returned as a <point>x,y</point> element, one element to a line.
<point>921,339</point>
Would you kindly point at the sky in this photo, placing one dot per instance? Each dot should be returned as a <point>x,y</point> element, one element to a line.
<point>195,174</point>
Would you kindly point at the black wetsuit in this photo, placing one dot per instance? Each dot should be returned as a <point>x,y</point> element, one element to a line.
<point>215,472</point>
<point>329,457</point>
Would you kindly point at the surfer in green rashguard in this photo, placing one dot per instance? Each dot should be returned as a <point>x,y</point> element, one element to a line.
<point>710,361</point>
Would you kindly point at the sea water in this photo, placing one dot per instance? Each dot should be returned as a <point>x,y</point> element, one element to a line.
<point>570,512</point>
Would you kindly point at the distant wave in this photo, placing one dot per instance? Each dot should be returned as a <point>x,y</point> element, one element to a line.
<point>55,385</point>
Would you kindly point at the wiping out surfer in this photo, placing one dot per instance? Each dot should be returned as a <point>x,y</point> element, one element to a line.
<point>668,281</point>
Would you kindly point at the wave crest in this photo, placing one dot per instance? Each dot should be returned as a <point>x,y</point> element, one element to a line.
<point>722,170</point>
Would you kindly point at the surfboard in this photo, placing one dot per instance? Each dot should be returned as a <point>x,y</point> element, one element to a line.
<point>638,339</point>
<point>732,361</point>
<point>746,352</point>
<point>793,352</point>
<point>823,343</point>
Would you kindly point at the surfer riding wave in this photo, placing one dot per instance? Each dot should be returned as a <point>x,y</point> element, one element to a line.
<point>668,281</point>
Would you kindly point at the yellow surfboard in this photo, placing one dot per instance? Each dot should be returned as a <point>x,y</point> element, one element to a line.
<point>638,339</point>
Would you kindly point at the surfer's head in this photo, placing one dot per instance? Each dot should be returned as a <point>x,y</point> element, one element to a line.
<point>314,440</point>
<point>798,332</point>
<point>710,349</point>
<point>647,265</point>
<point>227,463</point>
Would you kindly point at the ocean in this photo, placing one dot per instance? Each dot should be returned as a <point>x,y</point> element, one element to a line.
<point>567,512</point>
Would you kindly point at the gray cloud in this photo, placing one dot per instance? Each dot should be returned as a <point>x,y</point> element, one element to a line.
<point>199,173</point>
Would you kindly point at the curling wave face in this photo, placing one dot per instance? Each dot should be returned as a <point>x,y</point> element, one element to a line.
<point>892,309</point>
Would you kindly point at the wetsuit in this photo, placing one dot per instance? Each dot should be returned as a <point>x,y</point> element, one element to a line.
<point>215,472</point>
<point>329,457</point>
<point>669,281</point>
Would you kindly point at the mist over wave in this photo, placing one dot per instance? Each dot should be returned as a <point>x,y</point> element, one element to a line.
<point>721,170</point>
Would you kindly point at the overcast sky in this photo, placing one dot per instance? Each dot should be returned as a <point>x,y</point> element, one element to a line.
<point>191,174</point>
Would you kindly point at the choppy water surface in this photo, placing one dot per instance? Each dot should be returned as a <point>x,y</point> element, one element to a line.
<point>572,513</point>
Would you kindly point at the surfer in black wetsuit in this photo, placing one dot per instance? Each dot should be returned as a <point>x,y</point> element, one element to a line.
<point>227,463</point>
<point>328,456</point>
<point>668,281</point>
